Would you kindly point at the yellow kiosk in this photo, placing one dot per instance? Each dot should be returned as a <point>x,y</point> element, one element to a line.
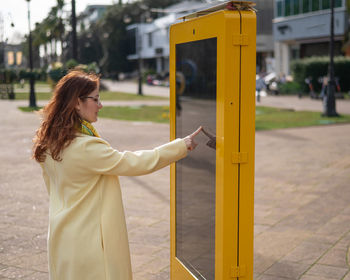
<point>212,83</point>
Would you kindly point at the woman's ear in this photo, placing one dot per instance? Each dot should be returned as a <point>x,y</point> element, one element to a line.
<point>77,106</point>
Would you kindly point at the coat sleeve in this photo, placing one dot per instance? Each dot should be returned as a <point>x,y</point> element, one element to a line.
<point>103,159</point>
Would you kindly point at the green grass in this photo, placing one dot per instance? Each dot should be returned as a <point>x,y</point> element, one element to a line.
<point>39,95</point>
<point>105,95</point>
<point>267,118</point>
<point>29,109</point>
<point>112,95</point>
<point>136,113</point>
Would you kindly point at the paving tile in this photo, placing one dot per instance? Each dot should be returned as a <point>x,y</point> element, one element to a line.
<point>344,242</point>
<point>335,257</point>
<point>311,277</point>
<point>347,276</point>
<point>277,244</point>
<point>154,266</point>
<point>262,262</point>
<point>260,228</point>
<point>141,275</point>
<point>30,261</point>
<point>15,272</point>
<point>162,275</point>
<point>37,276</point>
<point>301,200</point>
<point>307,252</point>
<point>287,269</point>
<point>330,272</point>
<point>336,227</point>
<point>271,277</point>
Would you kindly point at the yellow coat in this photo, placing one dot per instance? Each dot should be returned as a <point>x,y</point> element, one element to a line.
<point>87,236</point>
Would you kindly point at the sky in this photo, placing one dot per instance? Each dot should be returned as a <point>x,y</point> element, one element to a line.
<point>16,11</point>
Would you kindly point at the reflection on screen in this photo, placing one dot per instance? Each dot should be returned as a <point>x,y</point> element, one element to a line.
<point>195,175</point>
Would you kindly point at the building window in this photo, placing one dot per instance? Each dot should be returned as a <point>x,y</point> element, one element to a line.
<point>306,6</point>
<point>338,3</point>
<point>287,10</point>
<point>279,8</point>
<point>325,4</point>
<point>150,40</point>
<point>315,5</point>
<point>295,7</point>
<point>295,4</point>
<point>10,58</point>
<point>131,39</point>
<point>18,58</point>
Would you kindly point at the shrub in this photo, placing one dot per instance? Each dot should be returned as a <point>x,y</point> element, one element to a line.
<point>315,68</point>
<point>7,76</point>
<point>289,88</point>
<point>71,63</point>
<point>57,70</point>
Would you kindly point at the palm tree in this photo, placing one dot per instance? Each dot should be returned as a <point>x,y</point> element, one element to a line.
<point>40,38</point>
<point>346,44</point>
<point>54,25</point>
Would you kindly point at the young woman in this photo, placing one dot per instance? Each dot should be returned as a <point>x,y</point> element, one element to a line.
<point>87,236</point>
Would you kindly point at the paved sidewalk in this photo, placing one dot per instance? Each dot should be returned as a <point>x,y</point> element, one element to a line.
<point>302,201</point>
<point>303,104</point>
<point>288,102</point>
<point>132,87</point>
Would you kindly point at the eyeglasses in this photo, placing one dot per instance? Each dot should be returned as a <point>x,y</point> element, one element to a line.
<point>96,99</point>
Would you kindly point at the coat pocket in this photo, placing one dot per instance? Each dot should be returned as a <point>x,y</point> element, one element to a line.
<point>101,237</point>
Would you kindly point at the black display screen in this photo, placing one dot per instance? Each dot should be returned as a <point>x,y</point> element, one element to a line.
<point>196,68</point>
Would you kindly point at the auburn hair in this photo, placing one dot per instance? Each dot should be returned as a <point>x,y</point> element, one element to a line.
<point>60,120</point>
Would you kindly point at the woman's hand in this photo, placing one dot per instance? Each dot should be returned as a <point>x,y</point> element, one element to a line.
<point>189,140</point>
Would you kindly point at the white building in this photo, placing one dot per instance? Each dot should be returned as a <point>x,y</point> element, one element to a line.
<point>92,13</point>
<point>151,40</point>
<point>301,28</point>
<point>13,56</point>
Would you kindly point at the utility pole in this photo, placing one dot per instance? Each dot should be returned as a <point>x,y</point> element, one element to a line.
<point>329,98</point>
<point>74,32</point>
<point>140,62</point>
<point>32,97</point>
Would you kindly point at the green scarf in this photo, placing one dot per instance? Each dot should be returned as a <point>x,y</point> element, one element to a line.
<point>87,128</point>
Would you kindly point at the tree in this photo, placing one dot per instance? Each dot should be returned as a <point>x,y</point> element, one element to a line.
<point>114,37</point>
<point>89,45</point>
<point>346,44</point>
<point>40,39</point>
<point>50,31</point>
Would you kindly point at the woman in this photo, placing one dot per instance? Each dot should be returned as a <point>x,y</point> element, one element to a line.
<point>87,236</point>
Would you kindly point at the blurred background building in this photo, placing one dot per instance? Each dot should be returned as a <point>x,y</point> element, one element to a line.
<point>301,29</point>
<point>13,56</point>
<point>118,37</point>
<point>150,40</point>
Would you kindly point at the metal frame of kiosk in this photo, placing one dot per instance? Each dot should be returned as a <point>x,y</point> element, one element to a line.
<point>232,25</point>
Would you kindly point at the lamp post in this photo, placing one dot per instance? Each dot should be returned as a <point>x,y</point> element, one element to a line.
<point>140,61</point>
<point>329,98</point>
<point>32,98</point>
<point>144,17</point>
<point>74,32</point>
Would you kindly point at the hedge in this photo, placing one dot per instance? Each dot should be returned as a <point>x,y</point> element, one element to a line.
<point>317,67</point>
<point>9,76</point>
<point>58,70</point>
<point>52,75</point>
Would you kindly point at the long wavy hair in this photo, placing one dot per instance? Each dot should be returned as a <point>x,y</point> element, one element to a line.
<point>60,120</point>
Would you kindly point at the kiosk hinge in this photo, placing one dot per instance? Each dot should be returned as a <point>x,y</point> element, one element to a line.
<point>238,271</point>
<point>239,157</point>
<point>240,40</point>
